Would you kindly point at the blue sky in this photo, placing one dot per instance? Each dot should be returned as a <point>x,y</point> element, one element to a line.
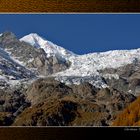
<point>80,33</point>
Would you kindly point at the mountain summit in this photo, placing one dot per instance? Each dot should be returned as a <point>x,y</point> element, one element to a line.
<point>50,48</point>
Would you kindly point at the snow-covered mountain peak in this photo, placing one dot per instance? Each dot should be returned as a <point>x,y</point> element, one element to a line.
<point>34,39</point>
<point>0,34</point>
<point>49,47</point>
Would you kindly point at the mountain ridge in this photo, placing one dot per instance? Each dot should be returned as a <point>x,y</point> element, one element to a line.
<point>41,55</point>
<point>61,87</point>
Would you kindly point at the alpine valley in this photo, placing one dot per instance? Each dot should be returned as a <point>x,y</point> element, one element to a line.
<point>43,84</point>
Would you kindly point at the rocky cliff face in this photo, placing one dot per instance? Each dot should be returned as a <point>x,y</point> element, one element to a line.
<point>33,58</point>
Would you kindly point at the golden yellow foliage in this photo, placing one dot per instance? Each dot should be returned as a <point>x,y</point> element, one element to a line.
<point>130,116</point>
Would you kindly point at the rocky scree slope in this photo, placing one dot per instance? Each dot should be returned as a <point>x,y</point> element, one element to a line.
<point>55,104</point>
